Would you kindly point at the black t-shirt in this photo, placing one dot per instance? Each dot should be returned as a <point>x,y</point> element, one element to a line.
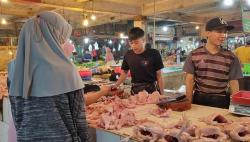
<point>143,66</point>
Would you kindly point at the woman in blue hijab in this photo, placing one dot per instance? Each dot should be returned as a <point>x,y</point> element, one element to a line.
<point>46,94</point>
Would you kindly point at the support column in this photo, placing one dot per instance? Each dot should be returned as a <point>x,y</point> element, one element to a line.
<point>140,21</point>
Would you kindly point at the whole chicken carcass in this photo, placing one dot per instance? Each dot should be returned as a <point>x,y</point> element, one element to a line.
<point>128,103</point>
<point>127,118</point>
<point>212,134</point>
<point>148,131</point>
<point>142,97</point>
<point>154,98</point>
<point>159,112</point>
<point>238,132</point>
<point>176,135</point>
<point>215,119</point>
<point>245,121</point>
<point>108,121</point>
<point>133,99</point>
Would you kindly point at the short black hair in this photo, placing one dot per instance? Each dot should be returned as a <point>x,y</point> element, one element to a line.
<point>203,40</point>
<point>135,33</point>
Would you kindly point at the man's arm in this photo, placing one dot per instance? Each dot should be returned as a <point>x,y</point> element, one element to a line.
<point>189,86</point>
<point>234,85</point>
<point>160,81</point>
<point>121,78</point>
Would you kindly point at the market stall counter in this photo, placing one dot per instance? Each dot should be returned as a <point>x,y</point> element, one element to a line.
<point>200,118</point>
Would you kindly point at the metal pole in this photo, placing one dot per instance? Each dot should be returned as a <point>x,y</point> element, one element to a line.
<point>154,28</point>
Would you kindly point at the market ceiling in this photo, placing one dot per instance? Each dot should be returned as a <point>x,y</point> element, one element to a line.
<point>107,11</point>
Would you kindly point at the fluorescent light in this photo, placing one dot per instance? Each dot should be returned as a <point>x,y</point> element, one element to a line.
<point>122,41</point>
<point>181,41</point>
<point>248,2</point>
<point>110,42</point>
<point>86,40</point>
<point>197,44</point>
<point>165,28</point>
<point>90,47</point>
<point>228,2</point>
<point>119,47</point>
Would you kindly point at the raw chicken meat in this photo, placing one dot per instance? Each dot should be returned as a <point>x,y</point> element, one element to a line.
<point>3,85</point>
<point>94,111</point>
<point>128,103</point>
<point>111,115</point>
<point>215,119</point>
<point>154,98</point>
<point>148,131</point>
<point>189,130</point>
<point>159,112</point>
<point>132,99</point>
<point>142,98</point>
<point>245,121</point>
<point>176,135</point>
<point>108,121</point>
<point>116,120</point>
<point>238,132</point>
<point>183,121</point>
<point>126,118</point>
<point>212,134</point>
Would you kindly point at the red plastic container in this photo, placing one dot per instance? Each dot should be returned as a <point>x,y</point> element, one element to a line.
<point>85,73</point>
<point>241,98</point>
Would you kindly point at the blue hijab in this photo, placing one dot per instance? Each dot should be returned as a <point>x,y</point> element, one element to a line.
<point>41,68</point>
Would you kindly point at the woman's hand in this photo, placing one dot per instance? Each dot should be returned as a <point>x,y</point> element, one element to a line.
<point>105,90</point>
<point>92,97</point>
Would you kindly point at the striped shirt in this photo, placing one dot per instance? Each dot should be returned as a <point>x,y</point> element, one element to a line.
<point>212,72</point>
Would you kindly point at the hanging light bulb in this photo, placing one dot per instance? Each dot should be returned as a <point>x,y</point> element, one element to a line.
<point>85,22</point>
<point>3,21</point>
<point>93,17</point>
<point>197,27</point>
<point>86,40</point>
<point>4,1</point>
<point>10,53</point>
<point>121,35</point>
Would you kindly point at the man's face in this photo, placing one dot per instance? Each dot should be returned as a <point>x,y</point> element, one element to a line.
<point>137,45</point>
<point>217,37</point>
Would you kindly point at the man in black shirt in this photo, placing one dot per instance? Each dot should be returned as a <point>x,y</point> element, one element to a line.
<point>144,64</point>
